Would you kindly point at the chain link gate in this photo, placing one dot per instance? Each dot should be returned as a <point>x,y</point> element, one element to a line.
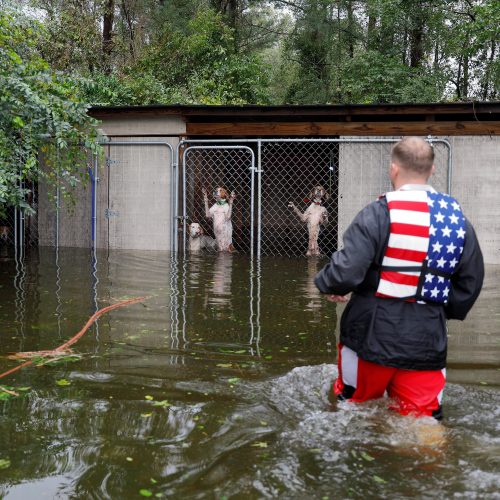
<point>230,167</point>
<point>353,171</point>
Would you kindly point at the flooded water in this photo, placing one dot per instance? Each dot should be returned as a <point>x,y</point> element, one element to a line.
<point>216,387</point>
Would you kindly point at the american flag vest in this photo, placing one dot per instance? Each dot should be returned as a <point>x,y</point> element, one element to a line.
<point>426,241</point>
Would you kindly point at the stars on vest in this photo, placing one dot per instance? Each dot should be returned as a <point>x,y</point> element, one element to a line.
<point>446,240</point>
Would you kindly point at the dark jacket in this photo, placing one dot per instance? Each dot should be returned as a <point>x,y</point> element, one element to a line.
<point>393,332</point>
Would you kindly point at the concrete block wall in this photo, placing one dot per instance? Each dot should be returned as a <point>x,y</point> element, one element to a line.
<point>476,185</point>
<point>475,179</point>
<point>134,202</point>
<point>133,192</point>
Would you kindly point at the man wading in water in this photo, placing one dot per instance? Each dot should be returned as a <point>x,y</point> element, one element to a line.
<point>411,261</point>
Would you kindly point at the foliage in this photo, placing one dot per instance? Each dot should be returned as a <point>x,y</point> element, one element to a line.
<point>381,51</point>
<point>274,51</point>
<point>39,112</point>
<point>198,64</point>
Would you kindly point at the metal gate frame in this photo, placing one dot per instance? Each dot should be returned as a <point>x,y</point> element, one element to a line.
<point>184,179</point>
<point>95,178</point>
<point>257,143</point>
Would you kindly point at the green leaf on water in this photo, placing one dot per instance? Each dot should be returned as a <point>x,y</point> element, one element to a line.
<point>378,479</point>
<point>63,382</point>
<point>149,398</point>
<point>234,380</point>
<point>163,404</point>
<point>366,456</point>
<point>145,493</point>
<point>146,415</point>
<point>241,351</point>
<point>224,365</point>
<point>4,463</point>
<point>354,454</point>
<point>153,481</point>
<point>129,459</point>
<point>483,383</point>
<point>260,444</point>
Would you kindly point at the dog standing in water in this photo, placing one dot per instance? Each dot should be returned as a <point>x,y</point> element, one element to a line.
<point>220,213</point>
<point>314,216</point>
<point>198,240</point>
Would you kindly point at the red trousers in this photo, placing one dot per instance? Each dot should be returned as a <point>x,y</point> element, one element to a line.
<point>416,392</point>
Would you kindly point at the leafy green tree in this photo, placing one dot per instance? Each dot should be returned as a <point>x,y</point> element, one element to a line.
<point>279,51</point>
<point>202,65</point>
<point>39,113</point>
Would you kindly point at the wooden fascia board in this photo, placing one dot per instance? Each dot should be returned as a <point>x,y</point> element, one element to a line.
<point>304,129</point>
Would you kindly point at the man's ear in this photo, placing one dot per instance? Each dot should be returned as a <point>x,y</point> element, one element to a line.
<point>393,170</point>
<point>433,169</point>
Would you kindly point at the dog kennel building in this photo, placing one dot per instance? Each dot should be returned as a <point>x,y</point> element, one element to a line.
<point>157,160</point>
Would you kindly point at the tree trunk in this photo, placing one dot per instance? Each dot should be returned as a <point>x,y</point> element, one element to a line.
<point>229,9</point>
<point>107,35</point>
<point>370,36</point>
<point>417,42</point>
<point>130,28</point>
<point>350,29</point>
<point>459,79</point>
<point>436,55</point>
<point>486,82</point>
<point>465,79</point>
<point>404,52</point>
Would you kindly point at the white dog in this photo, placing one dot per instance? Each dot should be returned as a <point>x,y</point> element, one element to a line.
<point>198,240</point>
<point>314,216</point>
<point>220,213</point>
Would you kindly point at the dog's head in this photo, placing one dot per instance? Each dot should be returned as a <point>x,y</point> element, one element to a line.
<point>4,233</point>
<point>220,194</point>
<point>318,193</point>
<point>195,230</point>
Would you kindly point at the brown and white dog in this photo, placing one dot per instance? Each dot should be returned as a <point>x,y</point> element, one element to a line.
<point>220,213</point>
<point>4,234</point>
<point>314,216</point>
<point>198,240</point>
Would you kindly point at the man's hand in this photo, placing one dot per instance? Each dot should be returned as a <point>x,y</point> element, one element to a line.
<point>337,298</point>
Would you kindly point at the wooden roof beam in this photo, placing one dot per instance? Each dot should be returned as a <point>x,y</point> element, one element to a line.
<point>306,129</point>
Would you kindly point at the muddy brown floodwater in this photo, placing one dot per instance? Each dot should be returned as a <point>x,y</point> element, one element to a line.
<point>216,387</point>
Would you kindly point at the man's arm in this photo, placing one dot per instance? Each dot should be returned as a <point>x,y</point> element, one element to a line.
<point>467,281</point>
<point>362,241</point>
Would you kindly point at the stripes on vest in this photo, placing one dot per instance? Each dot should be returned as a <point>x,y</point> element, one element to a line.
<point>407,246</point>
<point>427,233</point>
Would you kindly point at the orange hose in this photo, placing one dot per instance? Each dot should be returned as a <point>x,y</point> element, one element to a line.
<point>76,337</point>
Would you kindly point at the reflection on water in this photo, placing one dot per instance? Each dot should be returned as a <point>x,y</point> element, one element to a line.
<point>220,291</point>
<point>216,386</point>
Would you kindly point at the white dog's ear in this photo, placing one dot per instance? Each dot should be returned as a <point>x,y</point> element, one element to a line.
<point>326,195</point>
<point>311,195</point>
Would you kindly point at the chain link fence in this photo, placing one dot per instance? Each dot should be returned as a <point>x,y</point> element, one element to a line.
<point>291,171</point>
<point>351,171</point>
<point>229,167</point>
<point>265,174</point>
<point>19,226</point>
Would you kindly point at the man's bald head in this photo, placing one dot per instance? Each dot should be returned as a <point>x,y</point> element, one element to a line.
<point>414,155</point>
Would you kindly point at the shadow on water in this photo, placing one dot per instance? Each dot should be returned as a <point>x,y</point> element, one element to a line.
<point>216,387</point>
